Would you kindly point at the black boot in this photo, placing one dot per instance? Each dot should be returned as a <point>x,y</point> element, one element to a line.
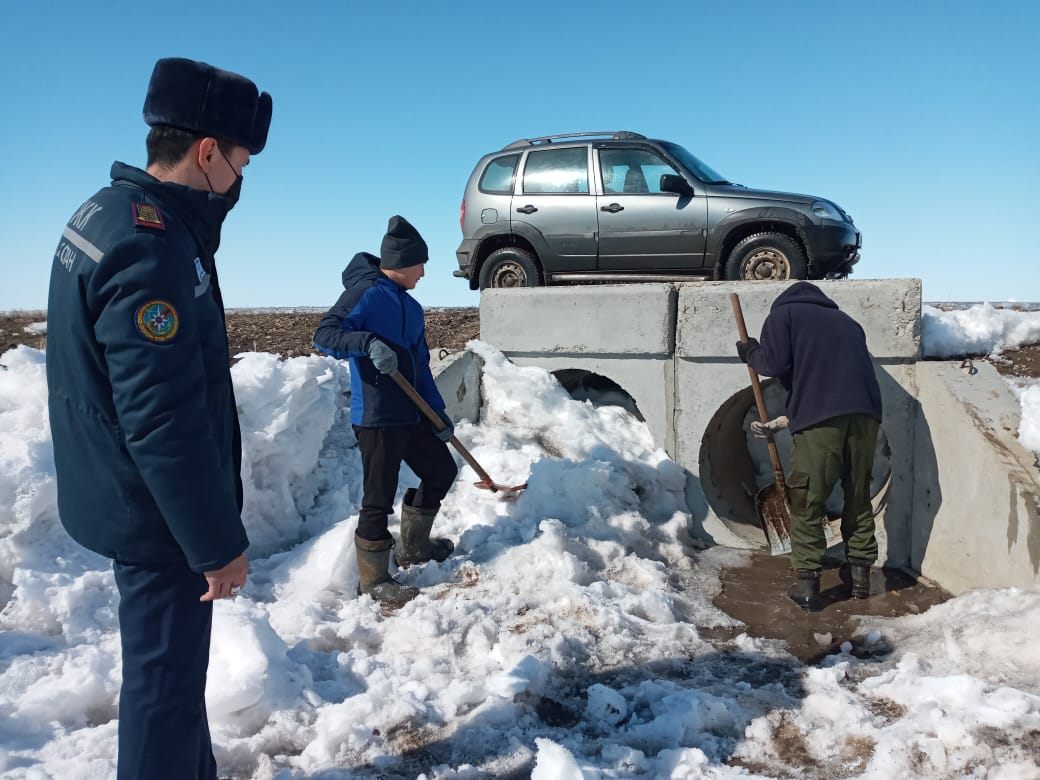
<point>373,563</point>
<point>416,545</point>
<point>856,574</point>
<point>806,590</point>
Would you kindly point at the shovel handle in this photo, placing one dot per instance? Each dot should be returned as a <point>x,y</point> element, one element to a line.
<point>756,387</point>
<point>437,422</point>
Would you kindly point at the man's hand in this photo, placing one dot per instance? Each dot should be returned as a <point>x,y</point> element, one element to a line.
<point>743,347</point>
<point>225,583</point>
<point>383,357</point>
<point>445,433</point>
<point>766,430</point>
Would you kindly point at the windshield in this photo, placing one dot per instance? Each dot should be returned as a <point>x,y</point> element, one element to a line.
<point>696,167</point>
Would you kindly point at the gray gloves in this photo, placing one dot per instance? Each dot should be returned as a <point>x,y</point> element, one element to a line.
<point>447,431</point>
<point>765,430</point>
<point>383,357</point>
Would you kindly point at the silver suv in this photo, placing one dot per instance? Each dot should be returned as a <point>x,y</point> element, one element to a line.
<point>618,206</point>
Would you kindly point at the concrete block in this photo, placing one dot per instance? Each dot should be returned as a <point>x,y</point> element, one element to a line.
<point>961,500</point>
<point>457,376</point>
<point>628,319</point>
<point>888,309</point>
<point>976,489</point>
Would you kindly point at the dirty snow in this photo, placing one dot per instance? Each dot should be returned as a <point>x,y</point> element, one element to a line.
<point>569,637</point>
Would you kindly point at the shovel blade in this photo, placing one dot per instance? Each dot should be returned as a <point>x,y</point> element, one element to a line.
<point>505,491</point>
<point>771,505</point>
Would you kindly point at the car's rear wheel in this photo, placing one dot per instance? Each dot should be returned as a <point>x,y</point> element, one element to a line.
<point>510,267</point>
<point>767,257</point>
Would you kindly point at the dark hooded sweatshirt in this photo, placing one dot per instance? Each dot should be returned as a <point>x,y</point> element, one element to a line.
<point>374,306</point>
<point>820,355</point>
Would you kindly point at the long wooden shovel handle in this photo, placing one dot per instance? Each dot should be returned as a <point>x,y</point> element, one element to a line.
<point>438,423</point>
<point>756,386</point>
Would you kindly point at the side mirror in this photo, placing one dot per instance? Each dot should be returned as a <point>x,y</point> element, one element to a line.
<point>671,182</point>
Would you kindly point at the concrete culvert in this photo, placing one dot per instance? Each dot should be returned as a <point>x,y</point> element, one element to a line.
<point>596,389</point>
<point>734,465</point>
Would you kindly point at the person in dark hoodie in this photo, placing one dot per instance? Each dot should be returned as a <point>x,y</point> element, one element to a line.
<point>142,412</point>
<point>820,355</point>
<point>381,329</point>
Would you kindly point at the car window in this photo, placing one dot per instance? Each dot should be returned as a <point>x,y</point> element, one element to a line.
<point>697,168</point>
<point>632,171</point>
<point>557,170</point>
<point>498,176</point>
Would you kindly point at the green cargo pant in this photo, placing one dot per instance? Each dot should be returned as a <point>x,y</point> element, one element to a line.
<point>841,448</point>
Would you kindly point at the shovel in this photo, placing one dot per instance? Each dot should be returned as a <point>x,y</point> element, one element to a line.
<point>486,483</point>
<point>771,501</point>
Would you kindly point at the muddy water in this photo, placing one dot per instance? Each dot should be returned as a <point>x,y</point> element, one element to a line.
<point>757,595</point>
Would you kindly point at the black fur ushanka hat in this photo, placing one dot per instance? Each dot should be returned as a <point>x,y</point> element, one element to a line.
<point>199,98</point>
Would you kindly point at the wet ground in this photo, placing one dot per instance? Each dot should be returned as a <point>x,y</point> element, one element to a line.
<point>756,594</point>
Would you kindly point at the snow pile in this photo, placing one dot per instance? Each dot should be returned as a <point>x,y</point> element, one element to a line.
<point>570,636</point>
<point>980,329</point>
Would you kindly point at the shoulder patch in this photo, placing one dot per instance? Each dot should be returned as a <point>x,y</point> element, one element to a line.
<point>146,215</point>
<point>157,321</point>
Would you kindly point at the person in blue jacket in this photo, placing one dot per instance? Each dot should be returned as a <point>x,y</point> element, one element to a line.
<point>820,355</point>
<point>381,329</point>
<point>147,447</point>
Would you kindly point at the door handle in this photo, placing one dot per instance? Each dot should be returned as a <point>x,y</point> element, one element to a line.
<point>613,208</point>
<point>527,209</point>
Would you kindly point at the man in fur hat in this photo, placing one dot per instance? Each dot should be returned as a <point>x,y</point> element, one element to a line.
<point>147,447</point>
<point>381,328</point>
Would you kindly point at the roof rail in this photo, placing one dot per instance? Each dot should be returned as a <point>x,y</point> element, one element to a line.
<point>614,135</point>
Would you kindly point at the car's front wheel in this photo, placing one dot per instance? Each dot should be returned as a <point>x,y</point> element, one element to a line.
<point>767,257</point>
<point>510,267</point>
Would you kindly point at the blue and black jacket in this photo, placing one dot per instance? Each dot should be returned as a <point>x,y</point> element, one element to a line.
<point>820,355</point>
<point>373,306</point>
<point>147,446</point>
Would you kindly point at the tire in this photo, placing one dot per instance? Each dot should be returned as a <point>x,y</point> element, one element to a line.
<point>510,266</point>
<point>767,257</point>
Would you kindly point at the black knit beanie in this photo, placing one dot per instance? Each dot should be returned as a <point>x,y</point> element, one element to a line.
<point>402,246</point>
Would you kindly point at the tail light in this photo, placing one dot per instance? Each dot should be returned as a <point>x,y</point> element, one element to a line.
<point>462,216</point>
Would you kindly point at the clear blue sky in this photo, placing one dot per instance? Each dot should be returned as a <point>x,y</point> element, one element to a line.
<point>921,119</point>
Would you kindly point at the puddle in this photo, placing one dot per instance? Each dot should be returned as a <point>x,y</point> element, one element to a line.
<point>756,594</point>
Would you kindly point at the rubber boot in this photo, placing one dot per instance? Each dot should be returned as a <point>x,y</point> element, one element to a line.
<point>416,545</point>
<point>856,574</point>
<point>806,590</point>
<point>373,563</point>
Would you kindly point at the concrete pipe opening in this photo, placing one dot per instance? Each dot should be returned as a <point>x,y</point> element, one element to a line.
<point>734,465</point>
<point>596,389</point>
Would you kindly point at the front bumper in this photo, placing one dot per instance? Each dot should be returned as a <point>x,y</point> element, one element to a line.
<point>834,250</point>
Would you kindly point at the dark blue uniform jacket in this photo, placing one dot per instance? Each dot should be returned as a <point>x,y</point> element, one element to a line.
<point>372,305</point>
<point>820,355</point>
<point>143,418</point>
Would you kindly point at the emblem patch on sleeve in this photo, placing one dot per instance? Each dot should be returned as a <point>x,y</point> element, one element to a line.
<point>148,216</point>
<point>157,321</point>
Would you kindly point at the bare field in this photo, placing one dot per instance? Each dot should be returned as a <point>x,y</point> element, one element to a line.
<point>289,333</point>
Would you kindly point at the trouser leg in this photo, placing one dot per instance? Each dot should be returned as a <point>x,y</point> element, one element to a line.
<point>857,517</point>
<point>815,470</point>
<point>432,462</point>
<point>165,636</point>
<point>382,450</point>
